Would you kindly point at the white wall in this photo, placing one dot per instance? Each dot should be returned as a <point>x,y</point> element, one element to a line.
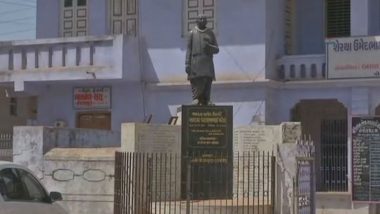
<point>359,17</point>
<point>48,21</point>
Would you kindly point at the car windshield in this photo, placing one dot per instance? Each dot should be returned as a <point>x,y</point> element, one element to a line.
<point>20,185</point>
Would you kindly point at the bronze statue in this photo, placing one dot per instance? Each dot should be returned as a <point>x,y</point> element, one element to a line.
<point>201,47</point>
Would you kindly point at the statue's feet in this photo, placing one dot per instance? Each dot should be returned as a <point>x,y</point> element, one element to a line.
<point>210,103</point>
<point>195,102</point>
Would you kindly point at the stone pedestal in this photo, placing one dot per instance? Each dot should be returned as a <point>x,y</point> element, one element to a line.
<point>207,129</point>
<point>150,138</point>
<point>160,145</point>
<point>256,139</point>
<point>207,144</point>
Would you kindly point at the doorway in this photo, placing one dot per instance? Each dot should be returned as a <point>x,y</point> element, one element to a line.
<point>325,121</point>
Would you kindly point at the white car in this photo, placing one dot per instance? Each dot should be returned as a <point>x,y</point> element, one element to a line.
<point>21,192</point>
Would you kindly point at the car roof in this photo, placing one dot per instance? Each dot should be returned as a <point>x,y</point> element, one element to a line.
<point>6,164</point>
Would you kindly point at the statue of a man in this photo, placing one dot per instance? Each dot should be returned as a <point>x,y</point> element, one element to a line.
<point>201,47</point>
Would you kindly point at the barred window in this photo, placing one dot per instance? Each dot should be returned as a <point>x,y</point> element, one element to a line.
<point>192,8</point>
<point>74,18</point>
<point>333,168</point>
<point>338,18</point>
<point>13,106</point>
<point>124,17</point>
<point>289,34</point>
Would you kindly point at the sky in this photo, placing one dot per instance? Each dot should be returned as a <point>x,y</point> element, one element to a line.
<point>17,19</point>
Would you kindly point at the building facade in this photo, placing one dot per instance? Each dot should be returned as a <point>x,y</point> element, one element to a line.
<point>97,64</point>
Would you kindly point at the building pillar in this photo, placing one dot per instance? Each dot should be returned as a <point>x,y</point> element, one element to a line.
<point>360,101</point>
<point>359,106</point>
<point>359,17</point>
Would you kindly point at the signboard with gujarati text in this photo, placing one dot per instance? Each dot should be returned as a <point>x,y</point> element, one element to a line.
<point>353,57</point>
<point>92,97</point>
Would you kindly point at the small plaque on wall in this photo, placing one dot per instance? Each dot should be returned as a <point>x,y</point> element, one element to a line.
<point>92,98</point>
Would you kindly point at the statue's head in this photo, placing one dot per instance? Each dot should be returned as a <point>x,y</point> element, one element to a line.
<point>201,21</point>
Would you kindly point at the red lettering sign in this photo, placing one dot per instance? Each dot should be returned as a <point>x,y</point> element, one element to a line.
<point>92,98</point>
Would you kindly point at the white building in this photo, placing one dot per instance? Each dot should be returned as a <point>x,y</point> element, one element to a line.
<point>271,68</point>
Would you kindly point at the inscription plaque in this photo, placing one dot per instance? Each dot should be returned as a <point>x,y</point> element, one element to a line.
<point>207,144</point>
<point>365,159</point>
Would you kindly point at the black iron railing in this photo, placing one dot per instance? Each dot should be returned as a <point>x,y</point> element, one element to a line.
<point>6,146</point>
<point>305,186</point>
<point>197,183</point>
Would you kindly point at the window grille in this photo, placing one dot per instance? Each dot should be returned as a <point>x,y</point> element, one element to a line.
<point>333,168</point>
<point>13,106</point>
<point>289,34</point>
<point>338,18</point>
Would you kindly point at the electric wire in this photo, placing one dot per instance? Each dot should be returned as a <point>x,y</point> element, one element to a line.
<point>17,4</point>
<point>12,11</point>
<point>19,19</point>
<point>18,31</point>
<point>8,17</point>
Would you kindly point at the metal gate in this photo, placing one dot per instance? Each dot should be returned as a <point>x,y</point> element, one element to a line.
<point>6,146</point>
<point>333,156</point>
<point>304,186</point>
<point>304,180</point>
<point>160,184</point>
